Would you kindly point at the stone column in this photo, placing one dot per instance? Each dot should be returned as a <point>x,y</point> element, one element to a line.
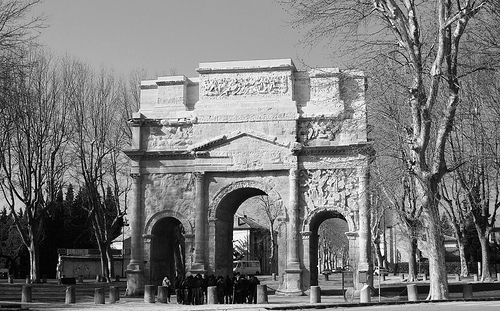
<point>199,229</point>
<point>292,250</point>
<point>135,277</point>
<point>292,285</point>
<point>364,238</point>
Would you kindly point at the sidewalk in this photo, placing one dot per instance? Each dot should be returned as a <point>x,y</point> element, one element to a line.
<point>392,292</point>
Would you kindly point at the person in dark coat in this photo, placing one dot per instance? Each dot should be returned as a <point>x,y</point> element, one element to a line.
<point>228,290</point>
<point>220,289</point>
<point>178,289</point>
<point>252,289</point>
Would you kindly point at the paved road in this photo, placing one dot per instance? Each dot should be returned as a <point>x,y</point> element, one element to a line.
<point>441,306</point>
<point>136,305</point>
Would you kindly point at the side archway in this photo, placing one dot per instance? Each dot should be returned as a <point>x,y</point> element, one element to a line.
<point>311,225</point>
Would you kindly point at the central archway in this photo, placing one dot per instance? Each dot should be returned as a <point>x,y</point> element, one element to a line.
<point>221,216</point>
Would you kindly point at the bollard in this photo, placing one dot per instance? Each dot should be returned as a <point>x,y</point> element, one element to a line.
<point>99,296</point>
<point>382,277</point>
<point>457,277</point>
<point>315,294</point>
<point>212,295</point>
<point>274,276</point>
<point>476,278</point>
<point>402,276</point>
<point>80,278</point>
<point>262,294</point>
<point>498,277</point>
<point>327,277</point>
<point>114,294</point>
<point>26,294</point>
<point>70,295</point>
<point>412,292</point>
<point>10,279</point>
<point>149,293</point>
<point>467,290</point>
<point>364,294</point>
<point>28,280</point>
<point>163,294</point>
<point>424,277</point>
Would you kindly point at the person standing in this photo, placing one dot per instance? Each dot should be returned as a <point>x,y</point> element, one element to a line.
<point>166,282</point>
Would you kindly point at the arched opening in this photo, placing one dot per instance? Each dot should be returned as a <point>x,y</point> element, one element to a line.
<point>224,221</point>
<point>167,251</point>
<point>330,222</point>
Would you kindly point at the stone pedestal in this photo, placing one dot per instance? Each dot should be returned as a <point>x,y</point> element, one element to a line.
<point>70,295</point>
<point>291,285</point>
<point>135,283</point>
<point>315,295</point>
<point>262,294</point>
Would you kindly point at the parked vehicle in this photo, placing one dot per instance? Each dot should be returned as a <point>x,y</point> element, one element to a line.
<point>246,267</point>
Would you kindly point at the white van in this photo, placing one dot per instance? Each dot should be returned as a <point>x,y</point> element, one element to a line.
<point>247,267</point>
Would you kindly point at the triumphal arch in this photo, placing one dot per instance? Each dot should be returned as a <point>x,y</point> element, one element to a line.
<point>202,146</point>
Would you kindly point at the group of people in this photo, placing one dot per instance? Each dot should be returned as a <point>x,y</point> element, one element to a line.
<point>192,290</point>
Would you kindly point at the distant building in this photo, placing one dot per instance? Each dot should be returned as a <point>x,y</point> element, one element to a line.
<point>247,230</point>
<point>87,262</point>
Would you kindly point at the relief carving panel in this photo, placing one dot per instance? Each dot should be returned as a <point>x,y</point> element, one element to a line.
<point>319,131</point>
<point>244,85</point>
<point>169,137</point>
<point>169,192</point>
<point>333,188</point>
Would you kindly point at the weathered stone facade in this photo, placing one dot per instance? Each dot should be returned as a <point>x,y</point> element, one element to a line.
<point>202,146</point>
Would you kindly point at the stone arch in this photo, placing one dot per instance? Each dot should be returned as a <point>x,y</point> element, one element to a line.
<point>350,217</point>
<point>148,228</point>
<point>310,229</point>
<point>242,184</point>
<point>220,215</point>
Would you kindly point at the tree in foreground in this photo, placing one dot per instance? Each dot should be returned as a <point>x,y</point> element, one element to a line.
<point>424,38</point>
<point>32,146</point>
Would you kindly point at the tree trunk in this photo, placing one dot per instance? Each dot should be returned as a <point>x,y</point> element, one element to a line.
<point>111,266</point>
<point>464,270</point>
<point>412,260</point>
<point>435,249</point>
<point>104,262</point>
<point>485,257</point>
<point>378,253</point>
<point>34,261</point>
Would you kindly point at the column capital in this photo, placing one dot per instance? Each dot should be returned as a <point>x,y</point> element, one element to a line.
<point>198,175</point>
<point>294,173</point>
<point>135,176</point>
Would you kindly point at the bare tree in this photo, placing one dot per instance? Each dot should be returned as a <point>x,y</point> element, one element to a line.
<point>476,146</point>
<point>271,211</point>
<point>33,140</point>
<point>425,38</point>
<point>98,140</point>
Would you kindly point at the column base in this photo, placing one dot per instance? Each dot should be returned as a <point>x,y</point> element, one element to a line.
<point>135,283</point>
<point>292,283</point>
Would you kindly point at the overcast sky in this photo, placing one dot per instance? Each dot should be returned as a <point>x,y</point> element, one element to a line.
<point>165,35</point>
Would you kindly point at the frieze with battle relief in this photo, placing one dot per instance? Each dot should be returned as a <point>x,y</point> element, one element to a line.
<point>169,137</point>
<point>319,131</point>
<point>241,85</point>
<point>169,191</point>
<point>329,187</point>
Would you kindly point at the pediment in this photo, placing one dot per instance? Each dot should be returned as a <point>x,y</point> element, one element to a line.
<point>245,151</point>
<point>240,139</point>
